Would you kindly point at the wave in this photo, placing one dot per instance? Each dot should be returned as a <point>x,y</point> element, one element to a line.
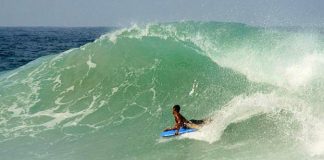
<point>262,87</point>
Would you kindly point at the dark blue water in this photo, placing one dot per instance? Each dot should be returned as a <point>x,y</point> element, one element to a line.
<point>20,45</point>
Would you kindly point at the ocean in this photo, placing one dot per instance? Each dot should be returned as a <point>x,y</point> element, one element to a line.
<point>103,94</point>
<point>20,45</point>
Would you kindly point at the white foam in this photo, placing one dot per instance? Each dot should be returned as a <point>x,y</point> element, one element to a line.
<point>238,109</point>
<point>244,107</point>
<point>58,117</point>
<point>58,101</point>
<point>302,72</point>
<point>314,143</point>
<point>294,61</point>
<point>310,135</point>
<point>90,63</point>
<point>57,83</point>
<point>15,110</point>
<point>297,66</point>
<point>67,90</point>
<point>114,90</point>
<point>194,86</point>
<point>113,36</point>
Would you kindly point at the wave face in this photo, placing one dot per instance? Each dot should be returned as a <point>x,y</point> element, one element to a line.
<point>262,88</point>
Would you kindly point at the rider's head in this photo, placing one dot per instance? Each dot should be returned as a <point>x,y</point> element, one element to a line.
<point>176,108</point>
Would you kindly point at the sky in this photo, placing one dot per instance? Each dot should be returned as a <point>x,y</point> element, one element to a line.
<point>127,12</point>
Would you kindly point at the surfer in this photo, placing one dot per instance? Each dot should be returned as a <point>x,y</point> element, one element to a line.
<point>181,121</point>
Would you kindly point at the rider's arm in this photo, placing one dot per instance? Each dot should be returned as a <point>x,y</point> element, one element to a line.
<point>177,125</point>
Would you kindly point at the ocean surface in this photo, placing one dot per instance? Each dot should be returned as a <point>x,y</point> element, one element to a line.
<point>263,89</point>
<point>20,45</point>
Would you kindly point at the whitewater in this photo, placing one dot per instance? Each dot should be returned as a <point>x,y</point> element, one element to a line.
<point>110,99</point>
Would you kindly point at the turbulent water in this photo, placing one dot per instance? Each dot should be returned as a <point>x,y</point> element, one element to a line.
<point>110,99</point>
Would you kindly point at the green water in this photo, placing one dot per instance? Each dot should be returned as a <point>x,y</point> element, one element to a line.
<point>110,99</point>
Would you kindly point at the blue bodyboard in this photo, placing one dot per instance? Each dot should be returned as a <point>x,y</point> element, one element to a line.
<point>171,133</point>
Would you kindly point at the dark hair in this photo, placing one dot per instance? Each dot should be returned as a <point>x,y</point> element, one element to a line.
<point>176,108</point>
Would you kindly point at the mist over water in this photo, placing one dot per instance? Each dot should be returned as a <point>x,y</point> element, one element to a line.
<point>110,99</point>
